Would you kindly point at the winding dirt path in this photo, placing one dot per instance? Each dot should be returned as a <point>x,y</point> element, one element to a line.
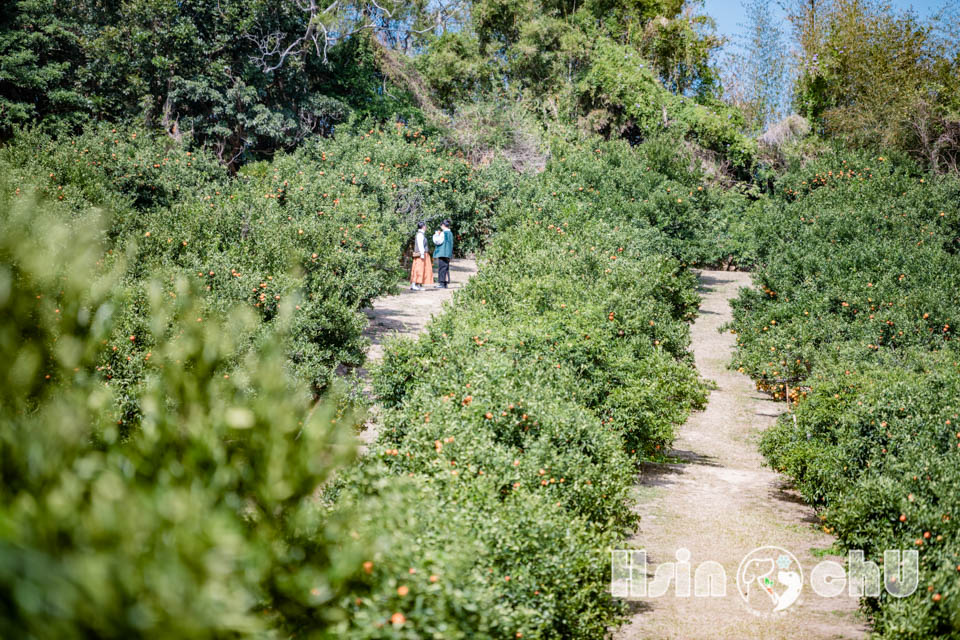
<point>720,503</point>
<point>407,314</point>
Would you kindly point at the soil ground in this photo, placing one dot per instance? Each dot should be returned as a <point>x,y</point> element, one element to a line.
<point>407,313</point>
<point>719,502</point>
<point>716,500</point>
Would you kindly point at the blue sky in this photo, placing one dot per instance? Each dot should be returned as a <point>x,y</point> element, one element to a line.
<point>729,14</point>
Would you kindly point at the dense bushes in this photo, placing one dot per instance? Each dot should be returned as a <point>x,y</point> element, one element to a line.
<point>327,224</point>
<point>502,473</point>
<point>856,305</point>
<point>199,525</point>
<point>622,94</point>
<point>510,433</point>
<point>654,185</point>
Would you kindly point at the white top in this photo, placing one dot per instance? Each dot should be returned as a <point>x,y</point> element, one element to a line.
<point>421,242</point>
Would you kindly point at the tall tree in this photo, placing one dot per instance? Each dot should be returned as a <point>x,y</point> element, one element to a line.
<point>877,76</point>
<point>758,72</point>
<point>242,77</point>
<point>39,56</point>
<point>681,49</point>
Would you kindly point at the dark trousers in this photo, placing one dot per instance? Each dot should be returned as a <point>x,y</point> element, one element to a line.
<point>443,271</point>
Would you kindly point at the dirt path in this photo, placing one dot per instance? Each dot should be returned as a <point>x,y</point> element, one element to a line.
<point>407,313</point>
<point>720,504</point>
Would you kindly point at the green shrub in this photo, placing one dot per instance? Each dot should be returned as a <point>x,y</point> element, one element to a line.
<point>652,187</point>
<point>203,522</point>
<point>622,92</point>
<point>326,225</point>
<point>856,306</point>
<point>512,427</point>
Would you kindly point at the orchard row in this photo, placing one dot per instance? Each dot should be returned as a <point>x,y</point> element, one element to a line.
<point>855,312</point>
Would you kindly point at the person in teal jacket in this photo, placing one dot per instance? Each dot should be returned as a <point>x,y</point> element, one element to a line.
<point>442,253</point>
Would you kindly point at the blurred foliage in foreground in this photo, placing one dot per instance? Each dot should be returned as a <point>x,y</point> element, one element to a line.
<point>203,523</point>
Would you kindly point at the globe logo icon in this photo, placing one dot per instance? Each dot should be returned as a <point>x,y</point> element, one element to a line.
<point>769,580</point>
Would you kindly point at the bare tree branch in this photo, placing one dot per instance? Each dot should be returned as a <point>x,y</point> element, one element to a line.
<point>360,15</point>
<point>270,45</point>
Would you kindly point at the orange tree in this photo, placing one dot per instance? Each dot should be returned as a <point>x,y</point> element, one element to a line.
<point>512,428</point>
<point>511,432</point>
<point>198,525</point>
<point>855,303</point>
<point>327,224</point>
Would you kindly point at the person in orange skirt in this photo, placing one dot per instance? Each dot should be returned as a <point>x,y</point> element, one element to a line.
<point>421,272</point>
